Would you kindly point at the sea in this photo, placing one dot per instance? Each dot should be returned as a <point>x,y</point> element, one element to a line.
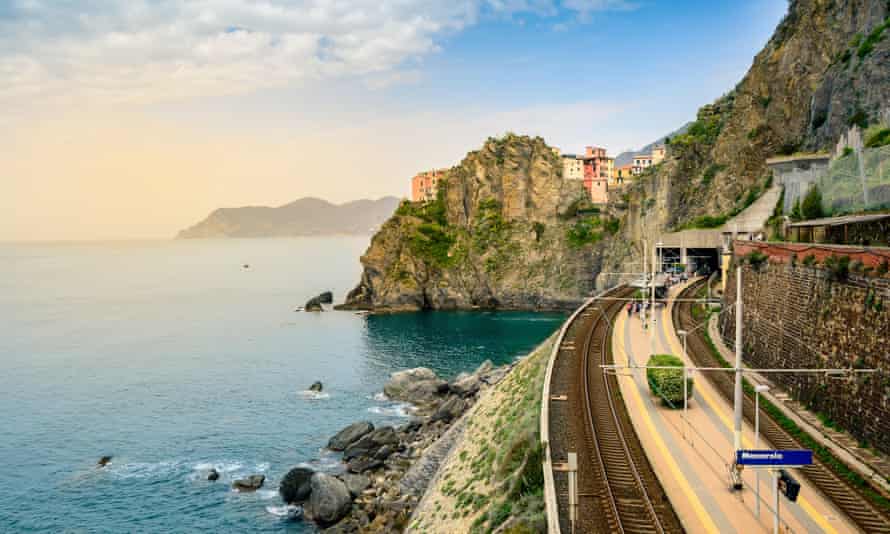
<point>175,357</point>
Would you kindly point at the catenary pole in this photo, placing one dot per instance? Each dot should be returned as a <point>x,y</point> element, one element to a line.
<point>737,426</point>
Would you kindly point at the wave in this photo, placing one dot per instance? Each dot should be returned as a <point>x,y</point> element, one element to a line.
<point>380,397</point>
<point>327,461</point>
<point>396,410</point>
<point>290,511</point>
<point>314,395</point>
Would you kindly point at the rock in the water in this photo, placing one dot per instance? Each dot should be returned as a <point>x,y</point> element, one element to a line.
<point>103,461</point>
<point>415,385</point>
<point>450,409</point>
<point>368,444</point>
<point>355,483</point>
<point>349,435</point>
<point>329,500</point>
<point>316,386</point>
<point>362,464</point>
<point>326,298</point>
<point>213,474</point>
<point>251,483</point>
<point>296,486</point>
<point>313,305</point>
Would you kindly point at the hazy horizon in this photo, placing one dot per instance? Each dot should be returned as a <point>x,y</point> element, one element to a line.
<point>134,120</point>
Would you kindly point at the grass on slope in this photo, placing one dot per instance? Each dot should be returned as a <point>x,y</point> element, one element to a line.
<point>495,473</point>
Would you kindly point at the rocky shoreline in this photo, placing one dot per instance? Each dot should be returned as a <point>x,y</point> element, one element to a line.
<point>387,469</point>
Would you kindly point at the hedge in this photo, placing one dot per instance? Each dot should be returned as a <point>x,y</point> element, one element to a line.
<point>667,384</point>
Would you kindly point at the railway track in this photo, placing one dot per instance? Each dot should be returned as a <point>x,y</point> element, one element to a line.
<point>618,490</point>
<point>845,496</point>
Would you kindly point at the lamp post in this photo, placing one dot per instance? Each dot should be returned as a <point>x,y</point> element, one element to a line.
<point>683,334</point>
<point>758,389</point>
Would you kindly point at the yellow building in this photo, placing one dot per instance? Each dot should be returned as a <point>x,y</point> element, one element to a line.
<point>658,153</point>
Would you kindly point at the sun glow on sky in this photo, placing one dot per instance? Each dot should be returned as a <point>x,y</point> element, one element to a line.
<point>135,119</point>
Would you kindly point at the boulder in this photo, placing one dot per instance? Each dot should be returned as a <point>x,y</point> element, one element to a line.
<point>329,500</point>
<point>467,385</point>
<point>213,474</point>
<point>450,409</point>
<point>349,435</point>
<point>356,484</point>
<point>296,486</point>
<point>103,461</point>
<point>362,464</point>
<point>251,483</point>
<point>313,305</point>
<point>368,444</point>
<point>415,385</point>
<point>316,386</point>
<point>326,298</point>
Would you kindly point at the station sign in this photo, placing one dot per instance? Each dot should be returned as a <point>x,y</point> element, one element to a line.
<point>767,457</point>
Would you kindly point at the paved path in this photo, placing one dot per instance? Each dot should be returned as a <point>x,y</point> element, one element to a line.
<point>692,457</point>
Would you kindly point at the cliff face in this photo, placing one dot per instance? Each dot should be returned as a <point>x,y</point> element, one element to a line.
<point>504,233</point>
<point>824,69</point>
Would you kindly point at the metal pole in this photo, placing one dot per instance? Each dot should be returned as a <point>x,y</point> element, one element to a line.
<point>775,501</point>
<point>757,446</point>
<point>652,305</point>
<point>737,434</point>
<point>685,403</point>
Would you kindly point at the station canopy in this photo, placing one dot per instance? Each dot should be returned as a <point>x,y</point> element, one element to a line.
<point>840,221</point>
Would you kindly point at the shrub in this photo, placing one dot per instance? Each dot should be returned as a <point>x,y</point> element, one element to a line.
<point>584,232</point>
<point>756,258</point>
<point>883,268</point>
<point>667,384</point>
<point>838,267</point>
<point>711,172</point>
<point>432,243</point>
<point>539,228</point>
<point>876,137</point>
<point>847,151</point>
<point>795,211</point>
<point>809,260</point>
<point>811,207</point>
<point>873,38</point>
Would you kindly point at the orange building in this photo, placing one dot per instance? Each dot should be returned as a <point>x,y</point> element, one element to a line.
<point>597,172</point>
<point>425,185</point>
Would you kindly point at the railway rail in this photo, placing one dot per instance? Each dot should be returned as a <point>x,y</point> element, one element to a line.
<point>844,495</point>
<point>617,488</point>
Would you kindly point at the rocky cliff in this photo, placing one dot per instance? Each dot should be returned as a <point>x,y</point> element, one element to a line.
<point>507,231</point>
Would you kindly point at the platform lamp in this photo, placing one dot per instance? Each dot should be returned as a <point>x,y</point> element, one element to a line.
<point>758,389</point>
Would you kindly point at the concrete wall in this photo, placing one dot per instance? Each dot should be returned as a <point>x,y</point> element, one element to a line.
<point>794,317</point>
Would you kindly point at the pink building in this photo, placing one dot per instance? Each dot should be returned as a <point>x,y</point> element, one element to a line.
<point>425,185</point>
<point>597,171</point>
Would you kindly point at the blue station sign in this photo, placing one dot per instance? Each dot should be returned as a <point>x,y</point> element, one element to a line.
<point>774,457</point>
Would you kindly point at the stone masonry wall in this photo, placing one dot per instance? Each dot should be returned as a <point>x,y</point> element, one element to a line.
<point>795,317</point>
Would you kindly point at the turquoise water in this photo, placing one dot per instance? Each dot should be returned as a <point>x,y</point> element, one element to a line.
<point>174,358</point>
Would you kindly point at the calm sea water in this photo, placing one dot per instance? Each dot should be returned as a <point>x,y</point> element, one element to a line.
<point>174,358</point>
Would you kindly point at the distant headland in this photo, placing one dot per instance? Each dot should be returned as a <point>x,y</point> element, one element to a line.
<point>302,217</point>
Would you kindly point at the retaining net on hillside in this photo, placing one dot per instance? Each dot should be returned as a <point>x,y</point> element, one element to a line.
<point>854,184</point>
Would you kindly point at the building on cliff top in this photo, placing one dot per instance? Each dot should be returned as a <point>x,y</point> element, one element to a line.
<point>594,168</point>
<point>425,185</point>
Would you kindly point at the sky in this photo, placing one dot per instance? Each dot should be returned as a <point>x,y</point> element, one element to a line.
<point>133,119</point>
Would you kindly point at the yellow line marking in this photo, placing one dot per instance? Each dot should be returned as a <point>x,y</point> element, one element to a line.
<point>678,475</point>
<point>814,514</point>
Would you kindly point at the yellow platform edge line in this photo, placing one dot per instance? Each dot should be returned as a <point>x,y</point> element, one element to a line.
<point>817,518</point>
<point>678,475</point>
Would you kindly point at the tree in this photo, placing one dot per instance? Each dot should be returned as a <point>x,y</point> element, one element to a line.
<point>795,211</point>
<point>811,207</point>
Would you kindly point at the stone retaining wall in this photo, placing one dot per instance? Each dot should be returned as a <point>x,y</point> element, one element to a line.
<point>795,317</point>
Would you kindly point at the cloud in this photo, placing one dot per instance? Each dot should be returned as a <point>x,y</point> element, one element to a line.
<point>146,51</point>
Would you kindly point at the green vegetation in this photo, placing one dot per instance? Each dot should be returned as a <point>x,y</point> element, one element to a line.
<point>539,229</point>
<point>858,117</point>
<point>876,136</point>
<point>711,172</point>
<point>838,267</point>
<point>756,259</point>
<point>707,221</point>
<point>511,460</point>
<point>432,239</point>
<point>823,454</point>
<point>811,207</point>
<point>795,211</point>
<point>764,101</point>
<point>590,230</point>
<point>809,260</point>
<point>874,37</point>
<point>707,126</point>
<point>847,151</point>
<point>667,384</point>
